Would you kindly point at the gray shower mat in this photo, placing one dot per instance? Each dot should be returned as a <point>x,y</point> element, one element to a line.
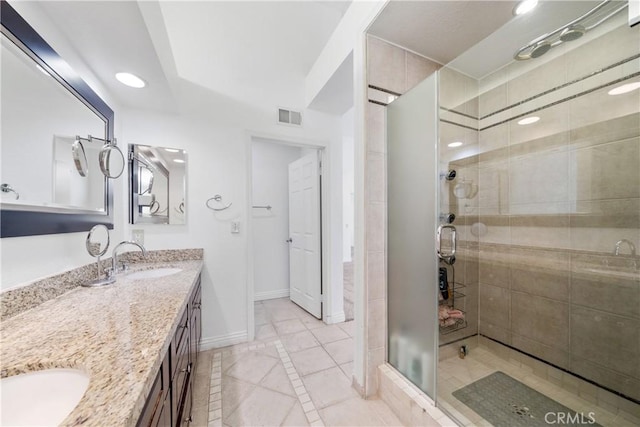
<point>506,402</point>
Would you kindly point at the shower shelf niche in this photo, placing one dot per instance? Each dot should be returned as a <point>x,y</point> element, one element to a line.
<point>460,324</point>
<point>456,300</point>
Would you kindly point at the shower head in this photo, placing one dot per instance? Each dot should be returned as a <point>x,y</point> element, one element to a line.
<point>540,49</point>
<point>573,32</point>
<point>570,31</point>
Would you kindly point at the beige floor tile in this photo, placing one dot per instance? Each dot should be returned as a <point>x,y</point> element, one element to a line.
<point>278,380</point>
<point>329,333</point>
<point>351,412</point>
<point>262,407</point>
<point>283,313</point>
<point>296,417</point>
<point>264,332</point>
<point>233,392</point>
<point>347,368</point>
<point>290,326</point>
<point>311,360</point>
<point>328,387</point>
<point>270,350</point>
<point>229,359</point>
<point>199,415</point>
<point>261,318</point>
<point>201,389</point>
<point>299,341</point>
<point>252,367</point>
<point>341,351</point>
<point>383,411</point>
<point>348,327</point>
<point>311,322</point>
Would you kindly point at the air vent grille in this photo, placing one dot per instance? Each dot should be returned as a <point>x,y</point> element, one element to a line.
<point>289,117</point>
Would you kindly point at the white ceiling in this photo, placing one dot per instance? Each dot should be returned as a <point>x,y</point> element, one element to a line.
<point>440,30</point>
<point>250,50</point>
<point>245,50</point>
<point>111,37</point>
<point>474,37</point>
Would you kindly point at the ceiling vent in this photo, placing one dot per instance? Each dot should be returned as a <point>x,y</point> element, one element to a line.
<point>289,117</point>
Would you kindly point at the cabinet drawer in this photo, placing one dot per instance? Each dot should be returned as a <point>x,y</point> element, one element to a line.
<point>179,340</point>
<point>152,413</point>
<point>185,420</point>
<point>181,377</point>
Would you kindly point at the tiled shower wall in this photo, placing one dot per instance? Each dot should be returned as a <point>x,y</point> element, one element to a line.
<point>458,98</point>
<point>394,70</point>
<point>550,201</point>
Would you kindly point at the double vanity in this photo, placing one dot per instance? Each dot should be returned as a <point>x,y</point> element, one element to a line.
<point>135,340</point>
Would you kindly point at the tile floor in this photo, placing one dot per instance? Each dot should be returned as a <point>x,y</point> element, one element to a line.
<point>296,373</point>
<point>454,373</point>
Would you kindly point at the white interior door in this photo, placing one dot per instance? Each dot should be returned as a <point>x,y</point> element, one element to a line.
<point>305,256</point>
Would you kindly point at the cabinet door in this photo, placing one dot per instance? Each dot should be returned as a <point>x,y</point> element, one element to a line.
<point>195,325</point>
<point>164,420</point>
<point>185,419</point>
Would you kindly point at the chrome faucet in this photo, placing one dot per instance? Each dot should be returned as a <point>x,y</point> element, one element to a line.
<point>632,247</point>
<point>114,257</point>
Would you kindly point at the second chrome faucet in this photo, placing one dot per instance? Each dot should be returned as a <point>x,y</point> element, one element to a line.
<point>118,267</point>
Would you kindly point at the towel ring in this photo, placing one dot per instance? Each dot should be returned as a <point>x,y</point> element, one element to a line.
<point>217,198</point>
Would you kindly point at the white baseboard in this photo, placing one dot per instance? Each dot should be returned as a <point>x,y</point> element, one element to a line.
<point>280,293</point>
<point>223,340</point>
<point>335,318</point>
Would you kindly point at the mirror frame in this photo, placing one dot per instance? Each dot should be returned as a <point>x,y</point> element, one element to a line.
<point>24,221</point>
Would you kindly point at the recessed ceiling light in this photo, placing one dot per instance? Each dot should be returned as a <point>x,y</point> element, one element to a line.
<point>130,80</point>
<point>172,150</point>
<point>528,120</point>
<point>524,6</point>
<point>454,144</point>
<point>624,88</point>
<point>178,160</point>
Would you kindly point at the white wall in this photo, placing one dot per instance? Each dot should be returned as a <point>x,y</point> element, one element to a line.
<point>58,252</point>
<point>214,130</point>
<point>270,228</point>
<point>348,196</point>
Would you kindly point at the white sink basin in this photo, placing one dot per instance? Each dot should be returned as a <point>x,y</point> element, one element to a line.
<point>41,398</point>
<point>153,274</point>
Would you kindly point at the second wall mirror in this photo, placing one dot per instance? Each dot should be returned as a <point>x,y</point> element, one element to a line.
<point>157,185</point>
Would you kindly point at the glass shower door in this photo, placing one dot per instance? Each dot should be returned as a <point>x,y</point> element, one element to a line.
<point>412,125</point>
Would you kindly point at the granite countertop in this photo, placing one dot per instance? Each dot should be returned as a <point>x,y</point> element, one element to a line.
<point>118,334</point>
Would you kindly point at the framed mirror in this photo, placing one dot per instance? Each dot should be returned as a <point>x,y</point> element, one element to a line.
<point>157,185</point>
<point>51,179</point>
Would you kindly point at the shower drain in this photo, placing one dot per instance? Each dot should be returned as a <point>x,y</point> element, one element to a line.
<point>520,410</point>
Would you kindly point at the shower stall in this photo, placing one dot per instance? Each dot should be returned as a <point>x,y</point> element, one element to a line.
<point>514,222</point>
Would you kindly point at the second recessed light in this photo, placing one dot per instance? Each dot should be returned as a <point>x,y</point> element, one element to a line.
<point>130,80</point>
<point>528,120</point>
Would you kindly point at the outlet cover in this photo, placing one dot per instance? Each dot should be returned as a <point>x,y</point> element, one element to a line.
<point>138,236</point>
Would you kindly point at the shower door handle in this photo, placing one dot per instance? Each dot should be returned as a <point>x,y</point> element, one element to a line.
<point>439,252</point>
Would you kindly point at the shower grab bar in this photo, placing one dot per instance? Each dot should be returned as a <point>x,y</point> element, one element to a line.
<point>441,255</point>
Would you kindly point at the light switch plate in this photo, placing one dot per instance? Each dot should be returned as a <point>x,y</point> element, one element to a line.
<point>235,227</point>
<point>138,236</point>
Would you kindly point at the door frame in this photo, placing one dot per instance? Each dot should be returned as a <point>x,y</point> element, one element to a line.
<point>323,148</point>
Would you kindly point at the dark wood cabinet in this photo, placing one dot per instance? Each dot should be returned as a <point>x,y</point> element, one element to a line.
<point>170,400</point>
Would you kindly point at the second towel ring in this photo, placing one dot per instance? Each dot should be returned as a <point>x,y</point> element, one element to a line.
<point>217,198</point>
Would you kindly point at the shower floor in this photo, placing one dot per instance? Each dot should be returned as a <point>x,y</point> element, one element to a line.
<point>455,373</point>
